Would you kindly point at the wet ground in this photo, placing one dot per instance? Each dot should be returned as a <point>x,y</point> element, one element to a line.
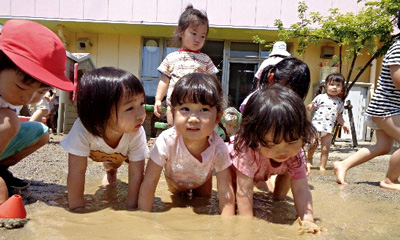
<point>360,210</point>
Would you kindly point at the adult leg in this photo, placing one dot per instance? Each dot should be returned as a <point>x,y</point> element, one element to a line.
<point>325,147</point>
<point>382,146</point>
<point>391,126</point>
<point>111,173</point>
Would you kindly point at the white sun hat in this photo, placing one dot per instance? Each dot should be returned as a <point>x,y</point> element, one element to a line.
<point>279,48</point>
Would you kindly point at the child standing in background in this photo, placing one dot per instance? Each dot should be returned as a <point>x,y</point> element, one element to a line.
<point>32,61</point>
<point>109,130</point>
<point>273,131</point>
<point>191,150</point>
<point>328,109</point>
<point>191,33</point>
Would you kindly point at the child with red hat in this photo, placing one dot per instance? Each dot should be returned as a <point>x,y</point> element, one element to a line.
<point>32,61</point>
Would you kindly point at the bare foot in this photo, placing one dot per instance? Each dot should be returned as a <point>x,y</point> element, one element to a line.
<point>339,172</point>
<point>390,185</point>
<point>109,179</point>
<point>322,168</point>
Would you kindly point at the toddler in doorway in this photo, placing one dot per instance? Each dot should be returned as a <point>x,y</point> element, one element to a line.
<point>191,34</point>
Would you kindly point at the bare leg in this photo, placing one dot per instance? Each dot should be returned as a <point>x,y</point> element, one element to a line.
<point>38,115</point>
<point>391,127</point>
<point>325,147</point>
<point>204,190</point>
<point>12,160</point>
<point>3,191</point>
<point>282,186</point>
<point>382,146</point>
<point>311,151</point>
<point>111,173</point>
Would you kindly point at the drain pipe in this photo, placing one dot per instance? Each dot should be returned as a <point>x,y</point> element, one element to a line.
<point>61,35</point>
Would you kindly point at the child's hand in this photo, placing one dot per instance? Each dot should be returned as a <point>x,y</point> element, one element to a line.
<point>311,106</point>
<point>157,109</point>
<point>346,129</point>
<point>308,168</point>
<point>308,227</point>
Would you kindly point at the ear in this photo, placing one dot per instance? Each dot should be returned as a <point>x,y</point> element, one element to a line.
<point>271,78</point>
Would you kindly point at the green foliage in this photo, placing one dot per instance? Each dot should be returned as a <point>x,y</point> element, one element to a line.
<point>369,29</point>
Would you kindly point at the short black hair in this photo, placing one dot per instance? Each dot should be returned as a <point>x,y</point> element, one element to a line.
<point>99,92</point>
<point>6,63</point>
<point>275,109</point>
<point>290,72</point>
<point>201,88</point>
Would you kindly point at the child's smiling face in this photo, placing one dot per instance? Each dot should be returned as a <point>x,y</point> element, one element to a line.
<point>282,151</point>
<point>16,92</point>
<point>195,121</point>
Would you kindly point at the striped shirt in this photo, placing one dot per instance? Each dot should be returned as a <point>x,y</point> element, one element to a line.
<point>385,101</point>
<point>179,63</point>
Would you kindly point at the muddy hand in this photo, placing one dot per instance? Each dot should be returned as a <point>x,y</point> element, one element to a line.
<point>308,227</point>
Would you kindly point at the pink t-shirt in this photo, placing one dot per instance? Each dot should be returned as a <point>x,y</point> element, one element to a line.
<point>180,167</point>
<point>254,165</point>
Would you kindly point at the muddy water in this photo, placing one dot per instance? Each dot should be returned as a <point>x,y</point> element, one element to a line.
<point>344,212</point>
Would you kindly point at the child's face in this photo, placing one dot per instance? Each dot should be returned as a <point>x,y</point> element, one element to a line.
<point>280,152</point>
<point>194,38</point>
<point>333,88</point>
<point>130,115</point>
<point>195,121</point>
<point>16,92</point>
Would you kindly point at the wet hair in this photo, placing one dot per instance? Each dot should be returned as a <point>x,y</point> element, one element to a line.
<point>333,77</point>
<point>198,88</point>
<point>276,110</point>
<point>191,17</point>
<point>99,93</point>
<point>290,72</point>
<point>7,64</point>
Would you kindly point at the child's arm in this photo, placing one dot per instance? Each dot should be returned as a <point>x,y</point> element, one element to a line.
<point>161,90</point>
<point>149,185</point>
<point>136,169</point>
<point>303,202</point>
<point>76,181</point>
<point>9,127</point>
<point>244,194</point>
<point>311,107</point>
<point>340,120</point>
<point>226,195</point>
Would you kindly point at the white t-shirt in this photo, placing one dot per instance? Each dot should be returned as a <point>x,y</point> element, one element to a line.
<point>5,104</point>
<point>181,168</point>
<point>328,109</point>
<point>80,142</point>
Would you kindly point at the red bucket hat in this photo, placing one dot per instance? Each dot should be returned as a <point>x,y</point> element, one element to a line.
<point>37,51</point>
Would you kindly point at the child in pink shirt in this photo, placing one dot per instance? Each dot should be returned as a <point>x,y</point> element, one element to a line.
<point>273,131</point>
<point>190,151</point>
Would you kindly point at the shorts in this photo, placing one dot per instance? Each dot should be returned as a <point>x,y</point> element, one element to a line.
<point>370,123</point>
<point>29,133</point>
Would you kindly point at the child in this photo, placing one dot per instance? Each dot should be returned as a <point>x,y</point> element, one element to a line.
<point>109,130</point>
<point>383,116</point>
<point>191,33</point>
<point>328,109</point>
<point>290,72</point>
<point>32,59</point>
<point>191,149</point>
<point>273,131</point>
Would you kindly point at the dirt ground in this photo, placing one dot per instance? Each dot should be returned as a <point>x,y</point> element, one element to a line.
<point>47,170</point>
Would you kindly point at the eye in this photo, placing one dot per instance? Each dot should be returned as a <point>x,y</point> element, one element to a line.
<point>129,109</point>
<point>204,109</point>
<point>18,86</point>
<point>184,109</point>
<point>294,142</point>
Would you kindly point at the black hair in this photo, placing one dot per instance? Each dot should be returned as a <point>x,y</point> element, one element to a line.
<point>275,109</point>
<point>6,63</point>
<point>333,77</point>
<point>198,88</point>
<point>191,17</point>
<point>290,72</point>
<point>100,91</point>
